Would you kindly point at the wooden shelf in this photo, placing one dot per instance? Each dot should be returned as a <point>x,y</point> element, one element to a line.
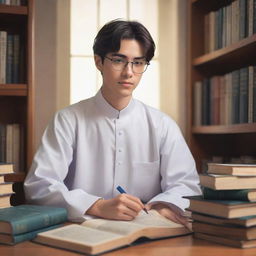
<point>209,5</point>
<point>11,9</point>
<point>241,54</point>
<point>206,141</point>
<point>13,90</point>
<point>225,129</point>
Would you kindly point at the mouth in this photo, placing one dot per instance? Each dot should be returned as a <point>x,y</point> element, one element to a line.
<point>125,84</point>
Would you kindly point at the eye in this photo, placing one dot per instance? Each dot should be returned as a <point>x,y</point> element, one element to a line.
<point>139,63</point>
<point>117,61</point>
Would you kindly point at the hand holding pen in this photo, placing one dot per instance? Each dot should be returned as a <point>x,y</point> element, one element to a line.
<point>122,191</point>
<point>122,207</point>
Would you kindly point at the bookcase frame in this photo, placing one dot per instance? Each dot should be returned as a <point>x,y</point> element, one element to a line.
<point>216,140</point>
<point>17,100</point>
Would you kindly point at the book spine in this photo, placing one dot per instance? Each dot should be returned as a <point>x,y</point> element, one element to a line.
<point>40,220</point>
<point>250,94</point>
<point>243,106</point>
<point>235,97</point>
<point>254,16</point>
<point>197,119</point>
<point>2,143</point>
<point>9,59</point>
<point>30,235</point>
<point>254,93</point>
<point>206,102</point>
<point>242,19</point>
<point>241,195</point>
<point>16,59</point>
<point>250,17</point>
<point>3,45</point>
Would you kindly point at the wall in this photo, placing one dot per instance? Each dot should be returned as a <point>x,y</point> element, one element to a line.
<point>172,55</point>
<point>51,61</point>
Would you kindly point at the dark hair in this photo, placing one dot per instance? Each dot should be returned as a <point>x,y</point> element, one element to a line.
<point>110,35</point>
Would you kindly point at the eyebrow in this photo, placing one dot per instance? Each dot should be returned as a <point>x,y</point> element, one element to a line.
<point>125,57</point>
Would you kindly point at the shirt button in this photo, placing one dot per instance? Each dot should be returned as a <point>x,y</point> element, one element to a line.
<point>119,163</point>
<point>120,133</point>
<point>120,150</point>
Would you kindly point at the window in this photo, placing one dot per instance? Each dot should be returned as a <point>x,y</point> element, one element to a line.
<point>87,17</point>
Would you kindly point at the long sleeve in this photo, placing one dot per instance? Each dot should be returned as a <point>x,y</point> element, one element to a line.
<point>177,167</point>
<point>45,183</point>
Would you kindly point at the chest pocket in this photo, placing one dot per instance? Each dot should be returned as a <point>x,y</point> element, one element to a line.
<point>145,180</point>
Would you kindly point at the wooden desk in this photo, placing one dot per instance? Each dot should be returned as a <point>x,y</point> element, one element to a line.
<point>180,246</point>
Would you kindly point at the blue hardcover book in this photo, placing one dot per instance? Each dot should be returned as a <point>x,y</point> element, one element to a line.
<point>14,239</point>
<point>26,218</point>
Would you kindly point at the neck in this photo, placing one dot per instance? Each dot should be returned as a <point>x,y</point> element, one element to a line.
<point>118,103</point>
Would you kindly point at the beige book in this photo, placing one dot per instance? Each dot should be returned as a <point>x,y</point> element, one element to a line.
<point>5,188</point>
<point>6,168</point>
<point>227,182</point>
<point>5,201</point>
<point>100,235</point>
<point>232,169</point>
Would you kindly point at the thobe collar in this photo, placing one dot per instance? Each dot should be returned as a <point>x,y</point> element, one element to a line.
<point>111,112</point>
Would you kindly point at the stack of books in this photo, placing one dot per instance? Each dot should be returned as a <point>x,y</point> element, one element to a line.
<point>226,213</point>
<point>6,188</point>
<point>24,222</point>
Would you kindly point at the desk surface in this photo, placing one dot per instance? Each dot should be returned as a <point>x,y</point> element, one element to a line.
<point>181,246</point>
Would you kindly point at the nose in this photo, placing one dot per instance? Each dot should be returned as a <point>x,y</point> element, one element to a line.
<point>128,69</point>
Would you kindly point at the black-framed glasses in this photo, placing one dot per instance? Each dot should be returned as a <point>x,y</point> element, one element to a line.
<point>138,66</point>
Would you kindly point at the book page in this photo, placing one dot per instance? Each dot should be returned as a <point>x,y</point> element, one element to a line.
<point>154,219</point>
<point>143,220</point>
<point>81,235</point>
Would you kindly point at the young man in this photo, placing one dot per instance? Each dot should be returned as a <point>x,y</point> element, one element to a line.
<point>113,140</point>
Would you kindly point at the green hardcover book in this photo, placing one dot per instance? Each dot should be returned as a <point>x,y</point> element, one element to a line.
<point>14,239</point>
<point>233,194</point>
<point>26,218</point>
<point>221,208</point>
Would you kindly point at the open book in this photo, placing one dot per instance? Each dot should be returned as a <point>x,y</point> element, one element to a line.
<point>100,235</point>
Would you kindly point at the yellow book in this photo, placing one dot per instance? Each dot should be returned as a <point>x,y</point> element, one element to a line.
<point>100,235</point>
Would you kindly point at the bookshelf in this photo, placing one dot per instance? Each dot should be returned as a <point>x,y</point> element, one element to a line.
<point>229,140</point>
<point>17,96</point>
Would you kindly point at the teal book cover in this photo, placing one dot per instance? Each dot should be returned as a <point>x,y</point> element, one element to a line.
<point>26,218</point>
<point>14,239</point>
<point>222,202</point>
<point>238,194</point>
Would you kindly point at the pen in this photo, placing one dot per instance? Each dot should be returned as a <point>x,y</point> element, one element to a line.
<point>122,191</point>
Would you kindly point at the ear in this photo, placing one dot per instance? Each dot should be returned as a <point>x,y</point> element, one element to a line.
<point>98,62</point>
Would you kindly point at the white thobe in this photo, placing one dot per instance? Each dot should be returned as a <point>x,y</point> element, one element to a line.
<point>90,148</point>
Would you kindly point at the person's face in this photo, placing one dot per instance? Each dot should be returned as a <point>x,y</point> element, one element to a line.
<point>118,84</point>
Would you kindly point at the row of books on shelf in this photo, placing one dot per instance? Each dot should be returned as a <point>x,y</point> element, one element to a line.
<point>12,145</point>
<point>226,212</point>
<point>227,99</point>
<point>229,24</point>
<point>12,58</point>
<point>14,2</point>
